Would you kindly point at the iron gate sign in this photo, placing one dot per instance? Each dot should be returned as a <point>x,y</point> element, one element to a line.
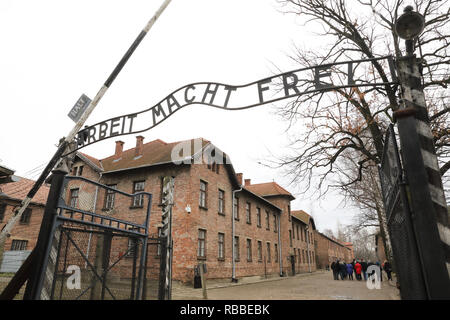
<point>322,78</point>
<point>390,172</point>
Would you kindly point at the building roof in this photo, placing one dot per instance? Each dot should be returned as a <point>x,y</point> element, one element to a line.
<point>303,217</point>
<point>269,189</point>
<point>154,152</point>
<point>18,191</point>
<point>90,160</point>
<point>334,240</point>
<point>7,175</point>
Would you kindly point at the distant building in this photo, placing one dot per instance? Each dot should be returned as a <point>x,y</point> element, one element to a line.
<point>329,249</point>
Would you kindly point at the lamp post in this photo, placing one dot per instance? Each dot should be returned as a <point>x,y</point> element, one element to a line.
<point>424,184</point>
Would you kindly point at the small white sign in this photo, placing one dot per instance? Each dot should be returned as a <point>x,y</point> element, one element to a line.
<point>79,108</point>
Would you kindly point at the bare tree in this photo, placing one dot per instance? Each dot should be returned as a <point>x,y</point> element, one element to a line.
<point>353,121</point>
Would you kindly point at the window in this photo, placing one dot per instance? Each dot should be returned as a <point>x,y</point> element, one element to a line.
<point>249,250</point>
<point>303,255</point>
<point>109,197</point>
<point>73,201</point>
<point>236,208</point>
<point>221,246</point>
<point>267,220</point>
<point>248,212</point>
<point>275,226</point>
<point>221,202</point>
<point>289,212</point>
<point>268,252</point>
<point>259,251</point>
<point>236,248</point>
<point>132,244</point>
<point>306,236</point>
<point>290,238</point>
<point>297,233</point>
<point>2,211</point>
<point>26,215</point>
<point>202,198</point>
<point>258,217</point>
<point>19,245</point>
<point>80,171</point>
<point>201,251</point>
<point>293,231</point>
<point>276,252</point>
<point>138,200</point>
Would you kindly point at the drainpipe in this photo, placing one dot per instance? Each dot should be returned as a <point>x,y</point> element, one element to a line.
<point>279,247</point>
<point>307,248</point>
<point>233,253</point>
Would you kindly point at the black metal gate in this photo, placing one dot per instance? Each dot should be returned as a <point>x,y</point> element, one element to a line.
<point>95,252</point>
<point>401,230</point>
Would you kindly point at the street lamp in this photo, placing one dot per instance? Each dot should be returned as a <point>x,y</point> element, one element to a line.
<point>409,26</point>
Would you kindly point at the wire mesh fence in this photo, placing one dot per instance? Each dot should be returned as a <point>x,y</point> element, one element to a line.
<point>99,242</point>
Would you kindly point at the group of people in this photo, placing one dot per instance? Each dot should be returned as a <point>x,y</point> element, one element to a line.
<point>359,267</point>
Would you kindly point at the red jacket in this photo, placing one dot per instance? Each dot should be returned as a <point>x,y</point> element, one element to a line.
<point>358,268</point>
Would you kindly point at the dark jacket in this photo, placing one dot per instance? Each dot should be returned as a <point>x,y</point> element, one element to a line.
<point>387,266</point>
<point>364,266</point>
<point>333,266</point>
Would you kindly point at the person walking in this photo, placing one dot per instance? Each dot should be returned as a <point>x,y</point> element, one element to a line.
<point>350,271</point>
<point>358,269</point>
<point>388,269</point>
<point>334,268</point>
<point>364,269</point>
<point>353,266</point>
<point>343,270</point>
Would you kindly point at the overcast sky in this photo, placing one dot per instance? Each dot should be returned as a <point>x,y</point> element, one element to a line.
<point>53,51</point>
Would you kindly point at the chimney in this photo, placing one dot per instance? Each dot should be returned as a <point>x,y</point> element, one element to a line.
<point>247,182</point>
<point>139,146</point>
<point>119,149</point>
<point>239,178</point>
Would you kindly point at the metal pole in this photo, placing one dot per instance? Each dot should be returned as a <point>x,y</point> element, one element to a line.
<point>43,240</point>
<point>426,194</point>
<point>64,143</point>
<point>202,276</point>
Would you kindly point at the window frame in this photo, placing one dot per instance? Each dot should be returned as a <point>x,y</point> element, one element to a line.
<point>249,250</point>
<point>221,202</point>
<point>203,195</point>
<point>200,242</point>
<point>221,246</point>
<point>16,245</point>
<point>248,212</point>
<point>108,193</point>
<point>260,255</point>
<point>140,197</point>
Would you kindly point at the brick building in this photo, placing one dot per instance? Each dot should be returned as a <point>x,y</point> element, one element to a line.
<point>24,235</point>
<point>329,249</point>
<point>257,228</point>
